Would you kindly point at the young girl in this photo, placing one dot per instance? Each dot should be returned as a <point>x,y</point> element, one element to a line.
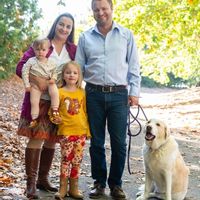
<point>44,68</point>
<point>73,129</point>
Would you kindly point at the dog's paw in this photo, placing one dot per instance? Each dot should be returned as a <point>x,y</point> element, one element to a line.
<point>140,193</point>
<point>141,197</point>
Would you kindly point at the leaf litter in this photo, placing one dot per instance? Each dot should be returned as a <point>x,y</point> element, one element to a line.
<point>180,108</point>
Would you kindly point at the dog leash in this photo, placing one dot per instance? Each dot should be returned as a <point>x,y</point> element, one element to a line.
<point>133,119</point>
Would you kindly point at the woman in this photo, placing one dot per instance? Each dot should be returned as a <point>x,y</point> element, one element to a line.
<point>41,145</point>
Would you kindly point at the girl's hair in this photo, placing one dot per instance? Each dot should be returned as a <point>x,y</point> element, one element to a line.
<point>109,1</point>
<point>41,42</point>
<point>51,34</point>
<point>80,77</point>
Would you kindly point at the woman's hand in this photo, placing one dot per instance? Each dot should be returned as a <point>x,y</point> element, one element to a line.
<point>40,82</point>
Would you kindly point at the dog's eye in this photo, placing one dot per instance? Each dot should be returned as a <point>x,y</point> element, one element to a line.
<point>157,124</point>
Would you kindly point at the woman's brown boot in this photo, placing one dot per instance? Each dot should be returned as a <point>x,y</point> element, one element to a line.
<point>32,157</point>
<point>73,189</point>
<point>63,191</point>
<point>45,165</point>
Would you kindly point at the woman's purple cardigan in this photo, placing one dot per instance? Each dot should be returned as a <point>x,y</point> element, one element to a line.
<point>26,106</point>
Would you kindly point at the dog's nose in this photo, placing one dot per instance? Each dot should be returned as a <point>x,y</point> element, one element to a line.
<point>149,128</point>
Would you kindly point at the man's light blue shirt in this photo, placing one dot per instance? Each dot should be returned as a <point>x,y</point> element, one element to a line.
<point>111,59</point>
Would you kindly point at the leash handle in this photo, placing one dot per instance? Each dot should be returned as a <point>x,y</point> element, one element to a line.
<point>130,134</point>
<point>130,114</point>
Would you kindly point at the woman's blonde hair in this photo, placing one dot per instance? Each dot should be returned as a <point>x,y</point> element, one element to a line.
<point>80,77</point>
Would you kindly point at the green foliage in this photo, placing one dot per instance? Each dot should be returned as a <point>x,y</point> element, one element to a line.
<point>17,29</point>
<point>167,35</point>
<point>147,82</point>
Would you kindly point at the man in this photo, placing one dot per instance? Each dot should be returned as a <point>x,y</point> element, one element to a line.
<point>107,54</point>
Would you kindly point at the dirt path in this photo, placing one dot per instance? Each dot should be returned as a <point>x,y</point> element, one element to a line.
<point>179,108</point>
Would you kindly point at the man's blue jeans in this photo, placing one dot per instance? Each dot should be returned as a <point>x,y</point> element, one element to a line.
<point>107,110</point>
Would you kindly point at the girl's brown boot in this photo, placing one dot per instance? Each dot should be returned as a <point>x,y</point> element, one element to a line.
<point>73,189</point>
<point>63,191</point>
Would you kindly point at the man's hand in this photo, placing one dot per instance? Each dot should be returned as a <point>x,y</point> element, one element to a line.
<point>133,101</point>
<point>41,83</point>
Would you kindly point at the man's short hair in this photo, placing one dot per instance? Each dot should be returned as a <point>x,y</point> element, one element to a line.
<point>109,1</point>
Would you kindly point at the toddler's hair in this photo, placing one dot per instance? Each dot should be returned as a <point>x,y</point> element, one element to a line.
<point>80,77</point>
<point>40,43</point>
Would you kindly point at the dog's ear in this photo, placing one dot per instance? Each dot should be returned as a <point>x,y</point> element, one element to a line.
<point>167,132</point>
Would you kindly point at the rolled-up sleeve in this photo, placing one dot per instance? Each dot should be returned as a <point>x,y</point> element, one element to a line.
<point>25,73</point>
<point>134,77</point>
<point>28,54</point>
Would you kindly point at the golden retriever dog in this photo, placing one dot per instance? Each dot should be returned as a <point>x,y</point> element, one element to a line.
<point>166,174</point>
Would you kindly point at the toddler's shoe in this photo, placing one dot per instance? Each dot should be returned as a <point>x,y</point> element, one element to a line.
<point>33,123</point>
<point>55,117</point>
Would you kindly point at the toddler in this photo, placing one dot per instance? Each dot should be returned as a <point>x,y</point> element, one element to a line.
<point>42,67</point>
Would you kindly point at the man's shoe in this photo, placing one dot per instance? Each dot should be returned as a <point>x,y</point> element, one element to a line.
<point>117,193</point>
<point>97,192</point>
